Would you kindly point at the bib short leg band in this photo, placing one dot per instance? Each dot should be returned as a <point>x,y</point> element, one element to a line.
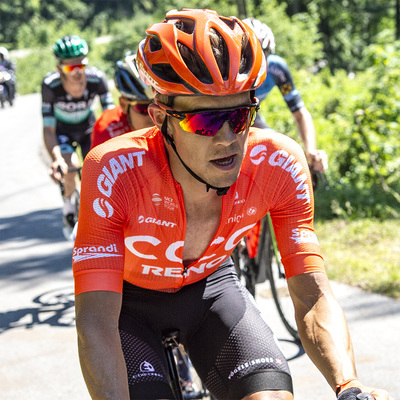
<point>229,343</point>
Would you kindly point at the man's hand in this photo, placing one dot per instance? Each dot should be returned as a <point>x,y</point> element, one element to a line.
<point>318,160</point>
<point>353,389</point>
<point>55,169</point>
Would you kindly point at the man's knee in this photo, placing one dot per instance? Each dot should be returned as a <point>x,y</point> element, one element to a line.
<point>270,395</point>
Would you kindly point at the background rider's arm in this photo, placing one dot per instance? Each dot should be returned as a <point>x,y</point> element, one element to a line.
<point>322,327</point>
<point>50,140</point>
<point>53,148</point>
<point>305,127</point>
<point>100,352</point>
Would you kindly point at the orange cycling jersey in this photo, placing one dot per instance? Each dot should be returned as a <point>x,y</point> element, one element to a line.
<point>112,122</point>
<point>132,218</point>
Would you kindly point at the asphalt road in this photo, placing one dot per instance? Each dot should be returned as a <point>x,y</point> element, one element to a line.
<point>38,351</point>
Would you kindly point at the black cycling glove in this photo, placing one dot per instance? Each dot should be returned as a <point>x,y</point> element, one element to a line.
<point>354,393</point>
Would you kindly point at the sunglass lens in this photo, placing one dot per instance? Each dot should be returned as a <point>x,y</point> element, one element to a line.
<point>239,119</point>
<point>205,124</point>
<point>141,108</point>
<point>71,68</point>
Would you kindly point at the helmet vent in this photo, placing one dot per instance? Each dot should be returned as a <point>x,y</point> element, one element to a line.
<point>155,44</point>
<point>246,58</point>
<point>167,73</point>
<point>220,48</point>
<point>186,25</point>
<point>230,22</point>
<point>195,64</point>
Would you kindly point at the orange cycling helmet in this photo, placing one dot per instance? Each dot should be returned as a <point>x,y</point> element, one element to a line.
<point>177,56</point>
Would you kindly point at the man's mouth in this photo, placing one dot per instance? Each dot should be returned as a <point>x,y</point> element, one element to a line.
<point>225,161</point>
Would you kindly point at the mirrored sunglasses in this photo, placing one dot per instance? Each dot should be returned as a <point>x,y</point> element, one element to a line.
<point>209,122</point>
<point>140,107</point>
<point>68,69</point>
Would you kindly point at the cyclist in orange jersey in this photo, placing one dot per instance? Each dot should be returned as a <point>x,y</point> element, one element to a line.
<point>131,114</point>
<point>161,211</point>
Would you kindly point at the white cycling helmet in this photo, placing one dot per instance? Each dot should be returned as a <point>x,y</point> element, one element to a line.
<point>4,52</point>
<point>263,33</point>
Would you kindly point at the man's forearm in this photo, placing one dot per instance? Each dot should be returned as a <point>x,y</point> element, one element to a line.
<point>305,127</point>
<point>103,368</point>
<point>322,327</point>
<point>327,342</point>
<point>51,143</point>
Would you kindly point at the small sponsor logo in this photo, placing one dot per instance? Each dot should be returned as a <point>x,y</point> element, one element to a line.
<point>145,366</point>
<point>248,364</point>
<point>90,252</point>
<point>258,154</point>
<point>169,203</point>
<point>304,236</point>
<point>151,220</point>
<point>218,240</point>
<point>103,208</point>
<point>237,200</point>
<point>251,211</point>
<point>156,199</point>
<point>146,370</point>
<point>235,219</point>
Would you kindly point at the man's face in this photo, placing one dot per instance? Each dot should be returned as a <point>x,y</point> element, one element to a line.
<point>137,115</point>
<point>216,159</point>
<point>73,68</point>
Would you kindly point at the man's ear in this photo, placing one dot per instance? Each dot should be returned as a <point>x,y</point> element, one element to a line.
<point>124,104</point>
<point>157,114</point>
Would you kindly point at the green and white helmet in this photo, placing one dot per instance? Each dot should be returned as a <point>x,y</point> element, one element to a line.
<point>70,47</point>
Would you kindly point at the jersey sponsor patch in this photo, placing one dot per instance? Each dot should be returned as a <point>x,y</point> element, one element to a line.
<point>258,154</point>
<point>102,208</point>
<point>90,252</point>
<point>304,236</point>
<point>288,162</point>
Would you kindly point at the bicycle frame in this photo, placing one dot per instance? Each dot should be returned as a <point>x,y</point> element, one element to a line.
<point>171,345</point>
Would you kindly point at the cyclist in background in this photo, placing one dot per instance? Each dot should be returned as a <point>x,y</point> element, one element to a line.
<point>279,75</point>
<point>67,109</point>
<point>161,211</point>
<point>131,114</point>
<point>11,68</point>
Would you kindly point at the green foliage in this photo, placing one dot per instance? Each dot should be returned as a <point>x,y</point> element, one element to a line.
<point>355,115</point>
<point>344,245</point>
<point>126,36</point>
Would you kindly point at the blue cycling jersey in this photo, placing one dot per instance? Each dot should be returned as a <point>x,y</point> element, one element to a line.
<point>278,74</point>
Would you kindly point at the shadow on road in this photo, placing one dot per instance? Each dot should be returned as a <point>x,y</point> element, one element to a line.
<point>26,244</point>
<point>43,225</point>
<point>55,308</point>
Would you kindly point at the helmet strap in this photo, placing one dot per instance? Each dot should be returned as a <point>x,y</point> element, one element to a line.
<point>221,191</point>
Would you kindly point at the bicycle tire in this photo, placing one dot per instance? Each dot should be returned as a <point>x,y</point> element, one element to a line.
<point>245,269</point>
<point>279,288</point>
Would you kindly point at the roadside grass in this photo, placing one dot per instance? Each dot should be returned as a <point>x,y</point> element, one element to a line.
<point>363,253</point>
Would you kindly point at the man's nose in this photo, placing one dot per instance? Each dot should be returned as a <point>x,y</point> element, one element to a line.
<point>225,135</point>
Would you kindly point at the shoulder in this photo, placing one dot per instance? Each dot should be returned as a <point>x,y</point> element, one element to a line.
<point>111,114</point>
<point>52,80</point>
<point>94,75</point>
<point>268,149</point>
<point>278,159</point>
<point>276,61</point>
<point>273,139</point>
<point>108,117</point>
<point>141,140</point>
<point>132,157</point>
